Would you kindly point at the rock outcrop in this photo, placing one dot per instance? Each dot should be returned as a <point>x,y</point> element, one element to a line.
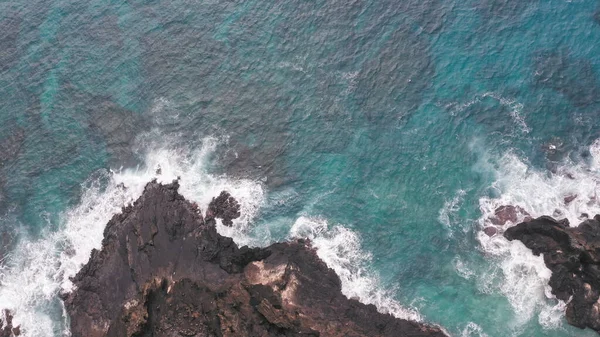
<point>163,270</point>
<point>573,256</point>
<point>503,215</point>
<point>6,327</point>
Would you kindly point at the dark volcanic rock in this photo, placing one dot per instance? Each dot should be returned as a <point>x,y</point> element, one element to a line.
<point>6,328</point>
<point>573,256</point>
<point>511,213</point>
<point>224,207</point>
<point>165,271</point>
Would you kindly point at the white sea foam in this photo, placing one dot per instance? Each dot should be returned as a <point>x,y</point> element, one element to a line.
<point>448,214</point>
<point>473,330</point>
<point>39,269</point>
<point>461,269</point>
<point>340,248</point>
<point>525,276</point>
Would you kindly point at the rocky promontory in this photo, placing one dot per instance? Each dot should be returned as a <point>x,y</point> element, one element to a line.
<point>573,256</point>
<point>163,270</point>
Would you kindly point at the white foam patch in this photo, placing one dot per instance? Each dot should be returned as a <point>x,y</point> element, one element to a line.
<point>340,249</point>
<point>39,269</point>
<point>461,269</point>
<point>448,214</point>
<point>525,276</point>
<point>473,330</point>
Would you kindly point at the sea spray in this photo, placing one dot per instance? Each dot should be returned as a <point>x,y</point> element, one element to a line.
<point>448,215</point>
<point>568,193</point>
<point>39,268</point>
<point>473,330</point>
<point>340,248</point>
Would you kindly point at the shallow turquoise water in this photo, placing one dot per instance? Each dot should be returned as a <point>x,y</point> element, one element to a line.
<point>373,115</point>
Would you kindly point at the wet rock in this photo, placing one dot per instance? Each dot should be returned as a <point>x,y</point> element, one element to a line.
<point>570,198</point>
<point>224,207</point>
<point>163,270</point>
<point>490,231</point>
<point>573,256</point>
<point>511,213</point>
<point>557,213</point>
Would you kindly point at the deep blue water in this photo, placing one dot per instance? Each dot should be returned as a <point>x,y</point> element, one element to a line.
<point>399,121</point>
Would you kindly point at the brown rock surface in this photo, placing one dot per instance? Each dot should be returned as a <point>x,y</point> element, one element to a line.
<point>511,213</point>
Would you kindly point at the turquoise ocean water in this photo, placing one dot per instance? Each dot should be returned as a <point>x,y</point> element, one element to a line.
<point>387,131</point>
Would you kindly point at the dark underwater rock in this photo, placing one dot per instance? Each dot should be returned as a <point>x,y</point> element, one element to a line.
<point>10,148</point>
<point>163,270</point>
<point>117,126</point>
<point>573,256</point>
<point>575,78</point>
<point>11,145</point>
<point>10,25</point>
<point>569,198</point>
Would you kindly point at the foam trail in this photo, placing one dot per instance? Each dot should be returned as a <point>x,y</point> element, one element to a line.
<point>516,108</point>
<point>39,269</point>
<point>525,276</point>
<point>448,214</point>
<point>461,269</point>
<point>339,248</point>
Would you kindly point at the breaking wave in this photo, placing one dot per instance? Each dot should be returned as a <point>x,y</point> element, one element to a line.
<point>340,249</point>
<point>38,269</point>
<point>568,193</point>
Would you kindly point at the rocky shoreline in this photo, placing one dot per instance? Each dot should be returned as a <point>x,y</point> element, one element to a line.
<point>163,270</point>
<point>573,256</point>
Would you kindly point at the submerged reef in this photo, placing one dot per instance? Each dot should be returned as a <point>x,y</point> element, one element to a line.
<point>573,256</point>
<point>163,270</point>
